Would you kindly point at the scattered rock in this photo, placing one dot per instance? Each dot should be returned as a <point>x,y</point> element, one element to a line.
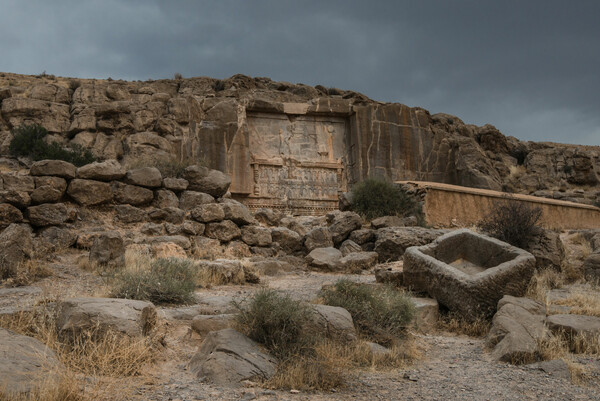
<point>573,325</point>
<point>203,179</point>
<point>343,224</point>
<point>224,231</point>
<point>16,245</point>
<point>318,237</point>
<point>256,236</point>
<point>108,249</point>
<point>289,241</point>
<point>203,324</point>
<point>591,267</point>
<point>392,241</point>
<point>349,247</point>
<point>327,259</point>
<point>355,262</point>
<point>362,236</point>
<point>548,250</point>
<point>48,214</point>
<point>208,213</point>
<point>144,177</point>
<point>334,322</point>
<point>108,170</point>
<point>89,192</point>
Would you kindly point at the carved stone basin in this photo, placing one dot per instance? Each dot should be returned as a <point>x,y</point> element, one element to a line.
<point>468,272</point>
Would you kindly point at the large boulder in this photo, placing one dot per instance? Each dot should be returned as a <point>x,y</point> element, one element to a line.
<point>19,199</point>
<point>268,217</point>
<point>327,259</point>
<point>548,250</point>
<point>175,184</point>
<point>108,249</point>
<point>227,358</point>
<point>16,246</point>
<point>46,194</point>
<point>51,239</point>
<point>208,213</point>
<point>256,236</point>
<point>77,316</point>
<point>334,322</point>
<point>56,168</point>
<point>347,247</point>
<point>130,214</point>
<point>468,272</point>
<point>9,214</point>
<point>132,194</point>
<point>165,198</point>
<point>144,177</point>
<point>25,363</point>
<point>238,213</point>
<point>224,231</point>
<point>591,266</point>
<point>517,329</point>
<point>391,242</point>
<point>191,199</point>
<point>289,241</point>
<point>318,237</point>
<point>90,192</point>
<point>48,214</point>
<point>355,262</point>
<point>343,224</point>
<point>203,179</point>
<point>107,170</point>
<point>17,182</point>
<point>573,325</point>
<point>172,215</point>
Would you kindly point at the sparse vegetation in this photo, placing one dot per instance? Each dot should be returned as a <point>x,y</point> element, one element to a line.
<point>512,221</point>
<point>456,323</point>
<point>177,76</point>
<point>161,281</point>
<point>375,197</point>
<point>544,281</point>
<point>381,314</point>
<point>25,273</point>
<point>219,86</point>
<point>29,141</point>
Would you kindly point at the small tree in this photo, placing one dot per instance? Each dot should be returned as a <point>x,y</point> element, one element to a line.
<point>511,221</point>
<point>375,197</point>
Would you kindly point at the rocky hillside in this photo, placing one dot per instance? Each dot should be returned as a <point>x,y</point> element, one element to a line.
<point>207,119</point>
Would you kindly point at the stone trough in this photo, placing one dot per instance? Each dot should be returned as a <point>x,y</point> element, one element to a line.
<point>468,272</point>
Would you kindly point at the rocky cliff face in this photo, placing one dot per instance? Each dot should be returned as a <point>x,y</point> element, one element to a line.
<point>290,146</point>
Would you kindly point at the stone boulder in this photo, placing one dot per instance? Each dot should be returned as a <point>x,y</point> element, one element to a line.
<point>203,324</point>
<point>391,242</point>
<point>90,192</point>
<point>192,228</point>
<point>208,213</point>
<point>591,266</point>
<point>17,182</point>
<point>256,236</point>
<point>165,198</point>
<point>318,237</point>
<point>132,194</point>
<point>19,199</point>
<point>203,179</point>
<point>238,213</point>
<point>573,325</point>
<point>334,322</point>
<point>223,270</point>
<point>356,262</point>
<point>25,363</point>
<point>191,199</point>
<point>77,316</point>
<point>548,250</point>
<point>130,214</point>
<point>227,358</point>
<point>46,194</point>
<point>362,236</point>
<point>387,221</point>
<point>179,240</point>
<point>343,224</point>
<point>144,177</point>
<point>289,241</point>
<point>108,170</point>
<point>303,224</point>
<point>327,259</point>
<point>57,168</point>
<point>468,272</point>
<point>347,247</point>
<point>390,273</point>
<point>16,246</point>
<point>517,329</point>
<point>108,249</point>
<point>268,217</point>
<point>51,239</point>
<point>224,231</point>
<point>48,214</point>
<point>175,184</point>
<point>9,214</point>
<point>172,215</point>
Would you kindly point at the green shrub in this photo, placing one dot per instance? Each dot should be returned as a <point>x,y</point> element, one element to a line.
<point>276,321</point>
<point>28,141</point>
<point>165,281</point>
<point>512,221</point>
<point>381,314</point>
<point>376,197</point>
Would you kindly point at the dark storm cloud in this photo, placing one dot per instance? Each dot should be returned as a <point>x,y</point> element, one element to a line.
<point>528,67</point>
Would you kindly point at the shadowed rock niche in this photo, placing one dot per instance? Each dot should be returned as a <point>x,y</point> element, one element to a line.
<point>297,162</point>
<point>468,272</point>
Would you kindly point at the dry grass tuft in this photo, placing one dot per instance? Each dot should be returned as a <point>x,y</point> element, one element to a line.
<point>582,303</point>
<point>211,275</point>
<point>27,272</point>
<point>66,388</point>
<point>544,281</point>
<point>455,323</point>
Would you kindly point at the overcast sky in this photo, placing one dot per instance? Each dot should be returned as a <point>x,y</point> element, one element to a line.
<point>531,68</point>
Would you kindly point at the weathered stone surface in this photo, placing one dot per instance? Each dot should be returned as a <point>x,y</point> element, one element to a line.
<point>144,177</point>
<point>153,229</point>
<point>327,259</point>
<point>268,217</point>
<point>46,194</point>
<point>358,261</point>
<point>362,236</point>
<point>172,215</point>
<point>206,248</point>
<point>557,368</point>
<point>192,228</point>
<point>17,182</point>
<point>347,247</point>
<point>334,322</point>
<point>517,329</point>
<point>9,214</point>
<point>15,198</point>
<point>574,324</point>
<point>203,179</point>
<point>303,224</point>
<point>591,267</point>
<point>256,236</point>
<point>318,237</point>
<point>343,224</point>
<point>390,273</point>
<point>548,250</point>
<point>180,240</point>
<point>108,249</point>
<point>165,198</point>
<point>468,272</point>
<point>130,214</point>
<point>226,270</point>
<point>54,238</point>
<point>203,324</point>
<point>239,249</point>
<point>426,314</point>
<point>131,194</point>
<point>56,168</point>
<point>57,183</point>
<point>107,170</point>
<point>16,245</point>
<point>238,213</point>
<point>289,241</point>
<point>175,184</point>
<point>76,316</point>
<point>227,358</point>
<point>387,221</point>
<point>48,214</point>
<point>208,213</point>
<point>191,199</point>
<point>89,192</point>
<point>392,241</point>
<point>224,231</point>
<point>25,363</point>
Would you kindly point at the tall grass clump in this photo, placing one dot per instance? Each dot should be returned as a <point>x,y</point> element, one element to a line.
<point>512,221</point>
<point>160,281</point>
<point>381,314</point>
<point>375,197</point>
<point>28,141</point>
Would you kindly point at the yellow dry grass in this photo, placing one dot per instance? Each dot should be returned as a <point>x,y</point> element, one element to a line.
<point>457,324</point>
<point>28,272</point>
<point>544,281</point>
<point>582,303</point>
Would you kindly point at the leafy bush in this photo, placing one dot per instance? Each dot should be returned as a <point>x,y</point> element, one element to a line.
<point>28,141</point>
<point>375,197</point>
<point>379,313</point>
<point>276,321</point>
<point>165,281</point>
<point>511,221</point>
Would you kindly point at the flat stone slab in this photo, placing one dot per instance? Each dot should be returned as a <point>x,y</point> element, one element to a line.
<point>574,324</point>
<point>468,272</point>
